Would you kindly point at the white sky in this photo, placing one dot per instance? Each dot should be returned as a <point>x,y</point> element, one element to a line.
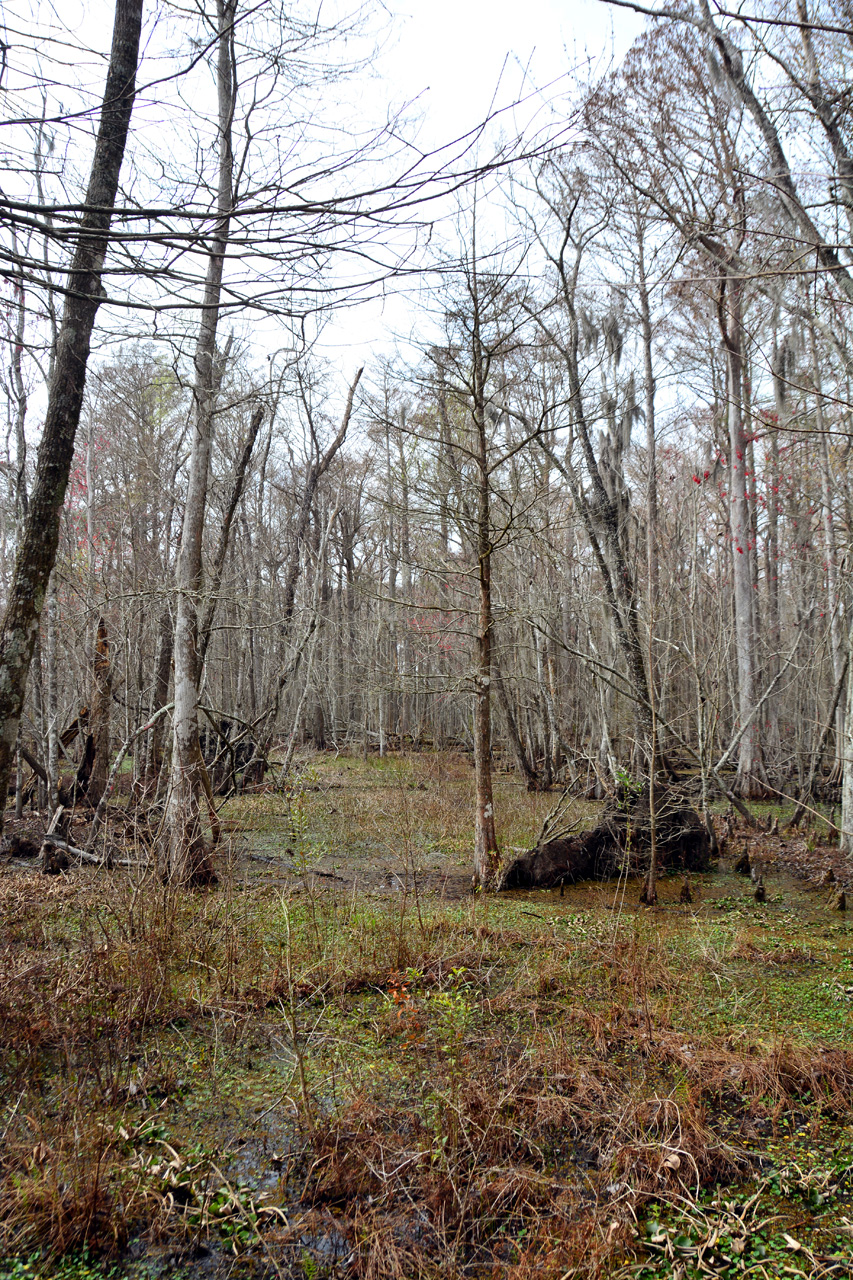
<point>452,52</point>
<point>456,59</point>
<point>453,60</point>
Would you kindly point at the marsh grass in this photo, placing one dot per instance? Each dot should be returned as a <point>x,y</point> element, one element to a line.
<point>311,1079</point>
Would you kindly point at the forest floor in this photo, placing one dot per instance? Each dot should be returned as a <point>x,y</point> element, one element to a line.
<point>341,1062</point>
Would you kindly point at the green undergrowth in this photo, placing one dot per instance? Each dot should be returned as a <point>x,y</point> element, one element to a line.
<point>796,1220</point>
<point>36,1267</point>
<point>287,1076</point>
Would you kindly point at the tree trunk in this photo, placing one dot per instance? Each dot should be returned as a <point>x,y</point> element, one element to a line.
<point>750,774</point>
<point>39,541</point>
<point>522,760</point>
<point>52,681</point>
<point>19,779</point>
<point>772,489</point>
<point>649,388</point>
<point>486,853</point>
<point>237,486</point>
<point>184,856</point>
<point>846,839</point>
<point>159,695</point>
<point>102,687</point>
<point>833,591</point>
<point>318,727</point>
<point>404,644</point>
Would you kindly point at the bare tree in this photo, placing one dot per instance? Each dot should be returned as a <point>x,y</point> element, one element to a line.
<point>39,539</point>
<point>184,855</point>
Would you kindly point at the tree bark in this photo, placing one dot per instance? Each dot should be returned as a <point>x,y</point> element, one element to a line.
<point>184,855</point>
<point>486,852</point>
<point>39,541</point>
<point>102,687</point>
<point>237,487</point>
<point>52,682</point>
<point>750,773</point>
<point>522,760</point>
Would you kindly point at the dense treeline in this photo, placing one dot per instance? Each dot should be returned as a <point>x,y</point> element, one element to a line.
<point>599,520</point>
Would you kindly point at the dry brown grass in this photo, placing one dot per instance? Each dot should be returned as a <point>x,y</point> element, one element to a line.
<point>65,1184</point>
<point>562,1153</point>
<point>486,1088</point>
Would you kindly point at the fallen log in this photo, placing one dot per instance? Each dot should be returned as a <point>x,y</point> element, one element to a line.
<point>619,845</point>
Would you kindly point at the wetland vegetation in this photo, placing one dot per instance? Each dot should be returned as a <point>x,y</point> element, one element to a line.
<point>342,1061</point>
<point>362,496</point>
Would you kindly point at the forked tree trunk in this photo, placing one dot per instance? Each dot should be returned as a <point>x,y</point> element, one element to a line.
<point>486,855</point>
<point>317,468</point>
<point>616,573</point>
<point>215,578</point>
<point>185,857</point>
<point>522,760</point>
<point>39,541</point>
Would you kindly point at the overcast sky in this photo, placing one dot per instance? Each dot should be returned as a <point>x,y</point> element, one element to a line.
<point>452,60</point>
<point>452,52</point>
<point>455,58</point>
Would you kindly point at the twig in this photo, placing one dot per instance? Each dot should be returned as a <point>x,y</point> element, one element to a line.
<point>549,827</point>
